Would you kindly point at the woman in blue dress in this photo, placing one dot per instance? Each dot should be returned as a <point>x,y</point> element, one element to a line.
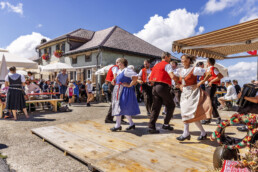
<point>124,101</point>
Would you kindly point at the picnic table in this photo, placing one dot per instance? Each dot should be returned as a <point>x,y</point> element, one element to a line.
<point>51,100</point>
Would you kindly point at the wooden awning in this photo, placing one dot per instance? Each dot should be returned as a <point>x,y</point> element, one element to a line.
<point>219,44</point>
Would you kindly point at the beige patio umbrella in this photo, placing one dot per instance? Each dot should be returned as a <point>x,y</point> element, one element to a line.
<point>3,70</point>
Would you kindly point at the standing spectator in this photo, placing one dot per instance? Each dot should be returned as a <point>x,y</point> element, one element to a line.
<point>76,90</point>
<point>41,83</point>
<point>237,87</point>
<point>62,80</point>
<point>15,95</point>
<point>30,76</point>
<point>89,89</point>
<point>105,90</point>
<point>83,90</point>
<point>199,78</point>
<point>70,92</point>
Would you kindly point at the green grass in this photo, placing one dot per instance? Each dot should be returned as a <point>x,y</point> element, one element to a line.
<point>3,156</point>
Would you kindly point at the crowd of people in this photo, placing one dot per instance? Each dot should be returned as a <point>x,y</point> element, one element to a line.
<point>195,89</point>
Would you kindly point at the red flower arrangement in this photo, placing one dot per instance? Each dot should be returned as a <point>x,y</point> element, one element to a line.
<point>58,53</point>
<point>45,56</point>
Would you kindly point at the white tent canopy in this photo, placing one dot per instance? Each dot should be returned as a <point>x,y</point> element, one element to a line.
<point>56,67</point>
<point>222,69</point>
<point>3,70</point>
<point>103,70</point>
<point>18,62</point>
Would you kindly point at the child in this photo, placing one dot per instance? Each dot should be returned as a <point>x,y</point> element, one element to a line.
<point>69,92</point>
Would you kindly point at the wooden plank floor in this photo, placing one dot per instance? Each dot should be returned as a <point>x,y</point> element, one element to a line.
<point>93,143</point>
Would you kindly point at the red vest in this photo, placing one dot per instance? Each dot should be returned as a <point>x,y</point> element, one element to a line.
<point>213,76</point>
<point>190,79</point>
<point>110,75</point>
<point>144,75</point>
<point>159,74</point>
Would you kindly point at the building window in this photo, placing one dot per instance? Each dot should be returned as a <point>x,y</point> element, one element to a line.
<point>71,75</point>
<point>49,51</point>
<point>74,60</point>
<point>87,58</point>
<point>63,47</point>
<point>45,51</point>
<point>88,73</point>
<point>57,47</point>
<point>84,75</point>
<point>40,54</point>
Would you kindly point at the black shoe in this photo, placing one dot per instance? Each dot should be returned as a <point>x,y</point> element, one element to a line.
<point>218,121</point>
<point>69,104</point>
<point>163,113</point>
<point>88,104</point>
<point>116,129</point>
<point>167,127</point>
<point>182,138</point>
<point>207,121</point>
<point>124,122</point>
<point>132,127</point>
<point>202,137</point>
<point>153,131</point>
<point>242,129</point>
<point>109,121</point>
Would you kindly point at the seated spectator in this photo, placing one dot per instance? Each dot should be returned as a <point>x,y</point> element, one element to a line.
<point>237,87</point>
<point>30,87</point>
<point>230,95</point>
<point>31,78</point>
<point>46,87</point>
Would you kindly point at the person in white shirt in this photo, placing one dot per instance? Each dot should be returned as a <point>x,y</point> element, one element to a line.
<point>30,87</point>
<point>89,89</point>
<point>146,87</point>
<point>230,95</point>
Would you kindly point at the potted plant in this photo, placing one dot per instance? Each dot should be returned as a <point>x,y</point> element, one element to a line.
<point>58,53</point>
<point>45,56</point>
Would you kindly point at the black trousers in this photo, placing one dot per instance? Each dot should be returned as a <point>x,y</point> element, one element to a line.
<point>161,95</point>
<point>147,94</point>
<point>212,90</point>
<point>109,115</point>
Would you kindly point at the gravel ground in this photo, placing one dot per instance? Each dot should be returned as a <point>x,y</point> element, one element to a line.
<point>28,153</point>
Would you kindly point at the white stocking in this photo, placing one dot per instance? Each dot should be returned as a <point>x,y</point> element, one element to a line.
<point>186,130</point>
<point>129,118</point>
<point>118,121</point>
<point>199,125</point>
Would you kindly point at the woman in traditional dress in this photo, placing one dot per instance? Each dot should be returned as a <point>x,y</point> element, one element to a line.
<point>15,95</point>
<point>194,103</point>
<point>124,101</point>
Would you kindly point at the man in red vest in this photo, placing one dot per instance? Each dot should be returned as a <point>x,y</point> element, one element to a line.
<point>111,76</point>
<point>146,87</point>
<point>161,75</point>
<point>214,81</point>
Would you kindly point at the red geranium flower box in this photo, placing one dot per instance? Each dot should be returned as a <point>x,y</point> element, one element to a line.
<point>45,57</point>
<point>58,53</point>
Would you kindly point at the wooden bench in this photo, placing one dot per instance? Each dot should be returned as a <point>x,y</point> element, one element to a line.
<point>52,101</point>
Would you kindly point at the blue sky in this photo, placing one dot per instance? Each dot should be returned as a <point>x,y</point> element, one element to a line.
<point>53,18</point>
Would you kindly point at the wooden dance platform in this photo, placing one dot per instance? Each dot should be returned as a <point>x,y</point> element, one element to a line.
<point>94,144</point>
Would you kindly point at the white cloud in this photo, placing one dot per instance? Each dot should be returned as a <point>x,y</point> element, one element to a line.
<point>25,45</point>
<point>251,11</point>
<point>161,32</point>
<point>39,26</point>
<point>244,72</point>
<point>213,6</point>
<point>16,9</point>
